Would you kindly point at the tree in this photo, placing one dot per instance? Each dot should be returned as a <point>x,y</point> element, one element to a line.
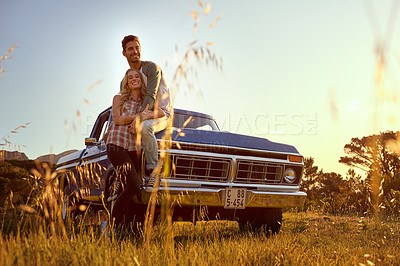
<point>372,153</point>
<point>332,192</point>
<point>310,175</point>
<point>15,179</point>
<point>357,192</point>
<point>376,156</point>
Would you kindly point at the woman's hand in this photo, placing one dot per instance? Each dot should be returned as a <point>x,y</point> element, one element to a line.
<point>134,126</point>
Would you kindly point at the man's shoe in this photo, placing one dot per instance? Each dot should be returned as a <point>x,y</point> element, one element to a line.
<point>148,172</point>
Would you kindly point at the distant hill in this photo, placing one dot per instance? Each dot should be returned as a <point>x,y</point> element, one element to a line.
<point>53,158</point>
<point>16,155</point>
<point>13,155</point>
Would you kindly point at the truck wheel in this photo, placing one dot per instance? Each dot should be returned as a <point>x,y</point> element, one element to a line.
<point>113,189</point>
<point>70,212</point>
<point>261,220</point>
<point>65,203</point>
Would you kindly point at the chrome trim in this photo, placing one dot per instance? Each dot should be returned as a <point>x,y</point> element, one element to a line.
<point>233,170</point>
<point>199,166</point>
<point>217,155</point>
<point>182,183</point>
<point>91,142</point>
<point>196,153</point>
<point>171,183</point>
<point>216,197</point>
<point>232,147</point>
<point>68,166</point>
<point>258,172</point>
<point>94,159</point>
<point>195,167</point>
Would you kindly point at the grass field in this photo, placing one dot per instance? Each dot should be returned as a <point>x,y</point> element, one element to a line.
<point>305,239</point>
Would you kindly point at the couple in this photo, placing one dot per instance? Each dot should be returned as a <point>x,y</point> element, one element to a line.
<point>142,108</point>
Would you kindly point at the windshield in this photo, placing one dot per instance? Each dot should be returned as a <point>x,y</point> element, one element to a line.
<point>194,122</point>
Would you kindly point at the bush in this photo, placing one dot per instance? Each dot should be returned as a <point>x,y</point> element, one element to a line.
<point>16,180</point>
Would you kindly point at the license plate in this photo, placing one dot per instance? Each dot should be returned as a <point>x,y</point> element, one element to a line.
<point>235,198</point>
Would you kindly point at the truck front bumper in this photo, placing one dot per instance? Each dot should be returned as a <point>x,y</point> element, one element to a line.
<point>216,197</point>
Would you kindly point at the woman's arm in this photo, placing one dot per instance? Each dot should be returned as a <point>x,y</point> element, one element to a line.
<point>118,119</point>
<point>149,114</point>
<point>145,115</point>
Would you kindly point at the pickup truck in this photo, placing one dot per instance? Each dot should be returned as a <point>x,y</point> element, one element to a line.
<point>214,174</point>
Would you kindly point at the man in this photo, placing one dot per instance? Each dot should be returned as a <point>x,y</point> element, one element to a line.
<point>158,97</point>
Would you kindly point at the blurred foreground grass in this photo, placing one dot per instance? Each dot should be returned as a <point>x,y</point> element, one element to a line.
<point>305,239</point>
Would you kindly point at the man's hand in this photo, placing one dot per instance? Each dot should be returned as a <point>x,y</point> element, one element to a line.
<point>148,102</point>
<point>146,109</point>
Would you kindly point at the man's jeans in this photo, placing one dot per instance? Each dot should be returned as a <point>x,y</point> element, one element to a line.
<point>149,141</point>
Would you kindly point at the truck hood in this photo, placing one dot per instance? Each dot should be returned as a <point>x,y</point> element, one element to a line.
<point>224,138</point>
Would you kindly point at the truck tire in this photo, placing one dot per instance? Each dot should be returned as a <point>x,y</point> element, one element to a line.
<point>261,220</point>
<point>70,213</point>
<point>113,189</point>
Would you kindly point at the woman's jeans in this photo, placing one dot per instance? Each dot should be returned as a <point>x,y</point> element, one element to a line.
<point>126,163</point>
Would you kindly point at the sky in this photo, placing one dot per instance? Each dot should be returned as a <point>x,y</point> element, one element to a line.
<point>302,73</point>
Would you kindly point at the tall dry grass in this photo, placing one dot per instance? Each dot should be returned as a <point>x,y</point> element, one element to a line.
<point>7,144</point>
<point>5,141</point>
<point>383,95</point>
<point>305,239</point>
<point>4,58</point>
<point>42,210</point>
<point>195,54</point>
<point>40,237</point>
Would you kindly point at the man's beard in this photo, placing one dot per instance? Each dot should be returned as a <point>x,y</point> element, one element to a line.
<point>136,59</point>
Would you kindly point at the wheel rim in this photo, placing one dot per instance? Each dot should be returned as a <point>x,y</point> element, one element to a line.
<point>113,194</point>
<point>64,208</point>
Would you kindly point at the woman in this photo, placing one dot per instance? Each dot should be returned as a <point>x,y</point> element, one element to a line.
<point>121,137</point>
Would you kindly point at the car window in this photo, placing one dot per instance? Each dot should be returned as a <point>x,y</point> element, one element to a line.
<point>104,130</point>
<point>101,126</point>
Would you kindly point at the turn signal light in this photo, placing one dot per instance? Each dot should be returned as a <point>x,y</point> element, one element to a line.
<point>295,159</point>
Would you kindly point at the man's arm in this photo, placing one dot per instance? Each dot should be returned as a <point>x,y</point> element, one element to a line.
<point>146,115</point>
<point>153,73</point>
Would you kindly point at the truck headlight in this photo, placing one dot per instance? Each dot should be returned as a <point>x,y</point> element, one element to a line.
<point>290,175</point>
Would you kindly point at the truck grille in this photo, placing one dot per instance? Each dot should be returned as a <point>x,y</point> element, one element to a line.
<point>257,172</point>
<point>200,168</point>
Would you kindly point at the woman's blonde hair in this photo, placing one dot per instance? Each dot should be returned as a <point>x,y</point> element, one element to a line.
<point>126,91</point>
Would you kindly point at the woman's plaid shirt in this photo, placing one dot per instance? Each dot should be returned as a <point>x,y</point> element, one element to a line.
<point>120,135</point>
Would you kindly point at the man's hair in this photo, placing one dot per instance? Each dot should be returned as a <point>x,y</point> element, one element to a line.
<point>127,39</point>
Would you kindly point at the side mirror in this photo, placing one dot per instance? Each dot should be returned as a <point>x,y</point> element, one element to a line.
<point>91,142</point>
